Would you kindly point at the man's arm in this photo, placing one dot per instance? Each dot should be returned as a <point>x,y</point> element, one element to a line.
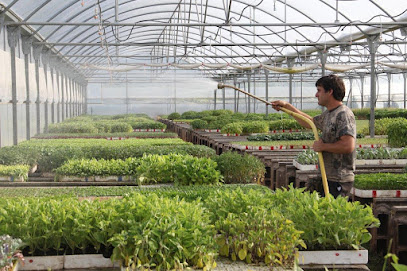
<point>345,144</point>
<point>278,104</point>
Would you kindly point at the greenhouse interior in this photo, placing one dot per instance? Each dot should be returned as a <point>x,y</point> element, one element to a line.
<point>203,135</point>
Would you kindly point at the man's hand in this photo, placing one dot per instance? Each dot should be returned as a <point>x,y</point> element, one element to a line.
<point>318,145</point>
<point>277,105</point>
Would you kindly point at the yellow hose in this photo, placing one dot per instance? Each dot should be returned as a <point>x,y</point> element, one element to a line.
<point>291,113</point>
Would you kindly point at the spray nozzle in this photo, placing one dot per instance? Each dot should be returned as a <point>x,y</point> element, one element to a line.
<point>220,86</point>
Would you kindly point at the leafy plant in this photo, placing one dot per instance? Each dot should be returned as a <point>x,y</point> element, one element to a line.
<point>121,127</point>
<point>237,168</point>
<point>326,223</point>
<point>199,124</point>
<point>397,133</point>
<point>284,124</point>
<point>16,171</point>
<point>249,231</point>
<point>383,181</point>
<point>232,128</point>
<point>307,157</point>
<point>255,127</point>
<point>174,116</point>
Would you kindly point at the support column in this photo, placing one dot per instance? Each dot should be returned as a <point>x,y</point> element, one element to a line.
<point>86,98</point>
<point>58,97</point>
<point>13,34</point>
<point>238,99</point>
<point>66,96</point>
<point>290,63</point>
<point>254,91</point>
<point>223,98</point>
<point>266,73</point>
<point>323,56</point>
<point>248,90</point>
<point>234,95</point>
<point>350,92</point>
<point>45,60</point>
<point>405,87</point>
<point>52,69</point>
<point>214,99</point>
<point>389,90</point>
<point>362,83</point>
<point>373,42</point>
<point>36,54</point>
<point>26,46</point>
<point>62,96</point>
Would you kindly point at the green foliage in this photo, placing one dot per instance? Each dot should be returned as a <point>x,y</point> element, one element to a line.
<point>102,167</point>
<point>381,181</point>
<point>232,128</point>
<point>397,133</point>
<point>150,231</point>
<point>284,124</point>
<point>180,169</point>
<point>148,125</point>
<point>220,122</point>
<point>108,135</point>
<point>174,116</point>
<point>237,168</point>
<point>361,113</point>
<point>255,127</point>
<point>254,117</point>
<point>190,115</point>
<point>282,136</point>
<point>121,127</point>
<point>199,124</point>
<point>13,155</point>
<point>326,223</point>
<point>307,157</point>
<point>162,233</point>
<point>389,113</point>
<point>251,232</point>
<point>15,171</point>
<point>381,126</point>
<point>72,127</point>
<point>221,112</point>
<point>379,153</point>
<point>50,154</point>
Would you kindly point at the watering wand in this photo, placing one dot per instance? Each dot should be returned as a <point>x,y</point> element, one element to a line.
<point>291,113</point>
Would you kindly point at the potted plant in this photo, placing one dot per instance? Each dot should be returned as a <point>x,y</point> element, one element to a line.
<point>9,253</point>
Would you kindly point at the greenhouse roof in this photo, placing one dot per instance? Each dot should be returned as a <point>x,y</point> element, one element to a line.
<point>103,38</point>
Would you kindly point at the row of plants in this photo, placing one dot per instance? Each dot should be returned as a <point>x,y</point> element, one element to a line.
<point>381,181</point>
<point>287,136</point>
<point>188,193</point>
<point>310,157</point>
<point>380,126</point>
<point>16,171</point>
<point>149,169</point>
<point>105,126</point>
<point>106,135</point>
<point>308,143</point>
<point>229,167</point>
<point>49,154</point>
<point>361,114</point>
<point>247,127</point>
<point>254,225</point>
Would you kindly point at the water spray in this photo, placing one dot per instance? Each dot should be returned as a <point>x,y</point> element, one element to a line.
<point>293,114</point>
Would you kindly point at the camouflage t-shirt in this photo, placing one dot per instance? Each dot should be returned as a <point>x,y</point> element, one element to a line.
<point>334,124</point>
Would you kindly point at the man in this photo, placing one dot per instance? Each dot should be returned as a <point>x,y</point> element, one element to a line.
<point>338,139</point>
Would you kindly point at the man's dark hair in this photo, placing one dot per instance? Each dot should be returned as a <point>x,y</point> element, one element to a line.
<point>332,82</point>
